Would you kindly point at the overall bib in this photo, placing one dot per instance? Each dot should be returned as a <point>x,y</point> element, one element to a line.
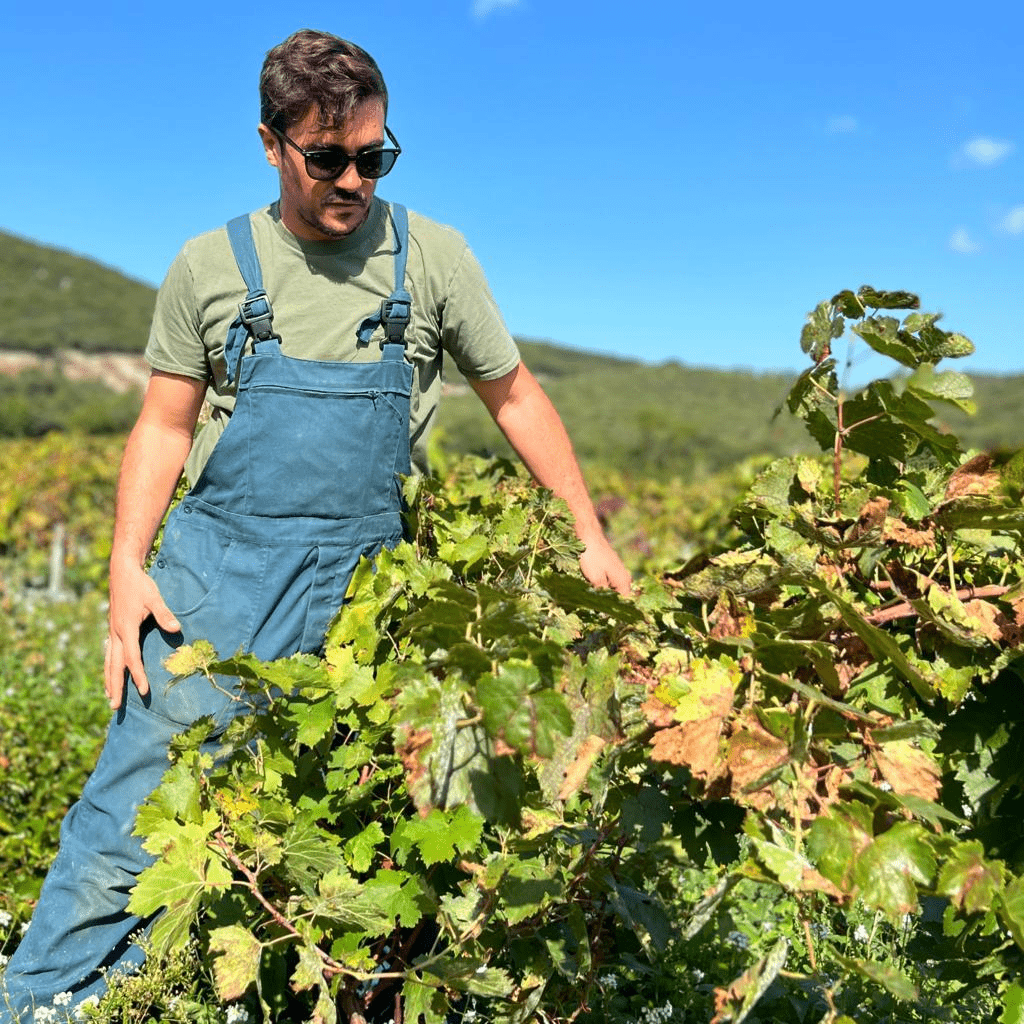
<point>257,556</point>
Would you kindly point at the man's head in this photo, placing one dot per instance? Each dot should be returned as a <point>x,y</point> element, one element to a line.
<point>319,92</point>
<point>316,69</point>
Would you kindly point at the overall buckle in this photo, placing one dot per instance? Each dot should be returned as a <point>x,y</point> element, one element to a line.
<point>395,315</point>
<point>257,314</point>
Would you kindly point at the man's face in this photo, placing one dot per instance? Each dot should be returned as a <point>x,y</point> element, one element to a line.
<point>324,210</point>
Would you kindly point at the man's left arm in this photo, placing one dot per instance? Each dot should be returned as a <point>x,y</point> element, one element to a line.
<point>533,427</point>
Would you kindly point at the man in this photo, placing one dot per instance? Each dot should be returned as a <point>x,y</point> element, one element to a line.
<point>322,397</point>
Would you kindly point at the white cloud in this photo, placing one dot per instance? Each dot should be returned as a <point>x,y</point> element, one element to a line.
<point>843,125</point>
<point>1013,222</point>
<point>961,241</point>
<point>986,151</point>
<point>483,8</point>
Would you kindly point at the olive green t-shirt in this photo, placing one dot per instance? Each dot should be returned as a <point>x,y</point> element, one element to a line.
<point>321,292</point>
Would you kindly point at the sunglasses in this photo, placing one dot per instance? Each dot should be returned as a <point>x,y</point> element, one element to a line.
<point>328,164</point>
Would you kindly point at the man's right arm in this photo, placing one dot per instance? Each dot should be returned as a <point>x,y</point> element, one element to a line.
<point>153,459</point>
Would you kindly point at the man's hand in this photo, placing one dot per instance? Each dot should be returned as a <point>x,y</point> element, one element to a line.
<point>603,567</point>
<point>134,597</point>
<point>535,430</point>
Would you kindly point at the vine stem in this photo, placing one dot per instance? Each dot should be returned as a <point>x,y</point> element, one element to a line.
<point>906,610</point>
<point>837,448</point>
<point>536,547</point>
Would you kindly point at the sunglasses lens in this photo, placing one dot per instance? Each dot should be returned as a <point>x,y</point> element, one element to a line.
<point>375,163</point>
<point>325,164</point>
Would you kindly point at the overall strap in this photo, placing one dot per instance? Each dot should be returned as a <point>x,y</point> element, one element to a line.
<point>395,311</point>
<point>255,314</point>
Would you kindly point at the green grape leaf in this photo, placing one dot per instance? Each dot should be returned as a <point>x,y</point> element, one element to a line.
<point>971,882</point>
<point>399,896</point>
<point>882,333</point>
<point>836,841</point>
<point>238,963</point>
<point>574,594</point>
<point>892,979</point>
<point>423,1002</point>
<point>950,386</point>
<point>889,871</point>
<point>360,849</point>
<point>178,882</point>
<point>823,326</point>
<point>1011,909</point>
<point>439,835</point>
<point>191,658</point>
<point>517,711</point>
<point>1013,1004</point>
<point>877,299</point>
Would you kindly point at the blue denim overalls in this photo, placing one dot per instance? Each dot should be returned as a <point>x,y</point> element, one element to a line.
<point>257,556</point>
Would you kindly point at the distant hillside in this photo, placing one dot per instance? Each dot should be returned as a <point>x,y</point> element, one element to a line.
<point>663,420</point>
<point>52,300</point>
<point>674,419</point>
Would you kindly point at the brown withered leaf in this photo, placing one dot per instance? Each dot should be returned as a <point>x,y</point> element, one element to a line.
<point>576,773</point>
<point>829,784</point>
<point>870,520</point>
<point>910,771</point>
<point>752,752</point>
<point>830,572</point>
<point>695,745</point>
<point>814,881</point>
<point>854,657</point>
<point>658,713</point>
<point>728,619</point>
<point>410,749</point>
<point>985,618</point>
<point>975,476</point>
<point>1012,630</point>
<point>896,530</point>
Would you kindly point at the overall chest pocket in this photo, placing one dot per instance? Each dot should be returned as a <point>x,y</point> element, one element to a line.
<point>324,453</point>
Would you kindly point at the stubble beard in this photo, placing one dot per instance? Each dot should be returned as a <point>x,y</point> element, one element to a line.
<point>317,219</point>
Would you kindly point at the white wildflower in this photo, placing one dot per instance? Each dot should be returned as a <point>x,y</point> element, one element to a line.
<point>89,1003</point>
<point>62,999</point>
<point>860,934</point>
<point>237,1015</point>
<point>656,1014</point>
<point>23,928</point>
<point>5,919</point>
<point>44,1015</point>
<point>3,959</point>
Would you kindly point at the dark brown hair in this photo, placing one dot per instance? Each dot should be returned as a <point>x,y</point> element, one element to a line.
<point>320,70</point>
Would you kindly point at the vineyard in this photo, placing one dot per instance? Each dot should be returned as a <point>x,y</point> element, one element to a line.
<point>779,783</point>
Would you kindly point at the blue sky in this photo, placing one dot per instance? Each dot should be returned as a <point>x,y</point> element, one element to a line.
<point>660,180</point>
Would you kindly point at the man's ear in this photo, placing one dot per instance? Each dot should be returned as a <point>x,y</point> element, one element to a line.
<point>270,145</point>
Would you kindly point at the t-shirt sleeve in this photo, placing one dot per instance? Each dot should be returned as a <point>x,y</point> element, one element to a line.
<point>175,344</point>
<point>473,330</point>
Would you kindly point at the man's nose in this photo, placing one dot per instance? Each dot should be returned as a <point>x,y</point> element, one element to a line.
<point>349,178</point>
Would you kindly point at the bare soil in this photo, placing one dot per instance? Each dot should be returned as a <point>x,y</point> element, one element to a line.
<point>118,371</point>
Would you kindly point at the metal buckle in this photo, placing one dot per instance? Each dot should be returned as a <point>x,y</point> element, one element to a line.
<point>257,314</point>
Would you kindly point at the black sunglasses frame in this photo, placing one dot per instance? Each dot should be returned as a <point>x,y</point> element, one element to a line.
<point>337,160</point>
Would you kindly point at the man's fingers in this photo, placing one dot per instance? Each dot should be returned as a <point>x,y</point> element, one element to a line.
<point>113,672</point>
<point>119,658</point>
<point>165,618</point>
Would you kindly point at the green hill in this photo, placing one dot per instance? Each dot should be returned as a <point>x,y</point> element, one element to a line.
<point>52,300</point>
<point>658,421</point>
